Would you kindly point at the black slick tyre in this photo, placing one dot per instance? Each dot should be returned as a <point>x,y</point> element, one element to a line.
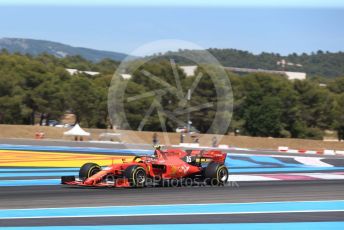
<point>136,175</point>
<point>216,174</point>
<point>88,170</point>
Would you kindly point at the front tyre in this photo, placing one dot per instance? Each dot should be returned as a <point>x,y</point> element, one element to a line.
<point>216,174</point>
<point>88,170</point>
<point>136,175</point>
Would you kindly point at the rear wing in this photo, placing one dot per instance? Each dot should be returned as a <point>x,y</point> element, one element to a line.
<point>211,154</point>
<point>216,155</point>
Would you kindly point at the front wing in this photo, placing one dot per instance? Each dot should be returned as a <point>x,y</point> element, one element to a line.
<point>71,180</point>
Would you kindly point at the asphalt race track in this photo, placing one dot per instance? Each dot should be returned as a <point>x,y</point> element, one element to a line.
<point>60,196</point>
<point>57,196</point>
<point>42,197</point>
<point>266,193</point>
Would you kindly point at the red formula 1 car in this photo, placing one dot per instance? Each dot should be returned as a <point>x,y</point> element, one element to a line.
<point>164,166</point>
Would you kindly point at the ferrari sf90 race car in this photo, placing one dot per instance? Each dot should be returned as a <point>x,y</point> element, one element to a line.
<point>205,166</point>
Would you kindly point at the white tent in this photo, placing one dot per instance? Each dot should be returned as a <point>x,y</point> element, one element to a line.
<point>76,131</point>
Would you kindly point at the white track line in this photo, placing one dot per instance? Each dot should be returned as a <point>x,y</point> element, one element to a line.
<point>250,178</point>
<point>324,176</point>
<point>312,161</point>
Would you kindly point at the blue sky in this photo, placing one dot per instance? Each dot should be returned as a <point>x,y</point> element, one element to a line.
<point>198,3</point>
<point>292,26</point>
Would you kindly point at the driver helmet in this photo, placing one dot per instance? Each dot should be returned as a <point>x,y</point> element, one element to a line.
<point>157,147</point>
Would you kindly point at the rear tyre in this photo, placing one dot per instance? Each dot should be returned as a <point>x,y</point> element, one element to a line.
<point>216,174</point>
<point>136,175</point>
<point>88,170</point>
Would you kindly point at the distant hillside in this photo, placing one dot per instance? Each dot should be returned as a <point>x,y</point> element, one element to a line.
<point>324,64</point>
<point>321,63</point>
<point>35,47</point>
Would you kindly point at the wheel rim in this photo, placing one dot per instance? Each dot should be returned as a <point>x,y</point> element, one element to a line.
<point>140,177</point>
<point>223,174</point>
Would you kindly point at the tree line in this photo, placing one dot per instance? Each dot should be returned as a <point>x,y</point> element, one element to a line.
<point>264,104</point>
<point>316,64</point>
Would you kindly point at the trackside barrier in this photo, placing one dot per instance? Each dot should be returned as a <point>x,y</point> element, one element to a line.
<point>304,151</point>
<point>39,135</point>
<point>312,152</point>
<point>223,147</point>
<point>192,145</point>
<point>329,152</point>
<point>339,152</point>
<point>283,148</point>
